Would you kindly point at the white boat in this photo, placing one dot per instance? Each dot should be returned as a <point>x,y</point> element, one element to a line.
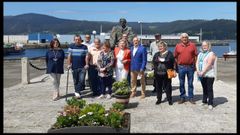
<point>230,54</point>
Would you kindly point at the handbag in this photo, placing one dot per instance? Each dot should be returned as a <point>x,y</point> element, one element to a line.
<point>171,73</point>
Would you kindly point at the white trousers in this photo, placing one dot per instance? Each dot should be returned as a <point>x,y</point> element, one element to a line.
<point>121,74</point>
<point>56,81</point>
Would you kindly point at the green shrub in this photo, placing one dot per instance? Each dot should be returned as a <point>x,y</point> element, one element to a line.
<point>76,102</point>
<point>114,119</point>
<point>120,84</point>
<point>89,115</point>
<point>124,91</point>
<point>121,87</point>
<point>118,106</point>
<point>150,74</point>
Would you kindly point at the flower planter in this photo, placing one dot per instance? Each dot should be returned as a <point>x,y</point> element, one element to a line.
<point>149,81</point>
<point>123,99</point>
<point>96,129</point>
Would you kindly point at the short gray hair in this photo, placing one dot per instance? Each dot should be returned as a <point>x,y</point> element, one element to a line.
<point>97,39</point>
<point>184,35</point>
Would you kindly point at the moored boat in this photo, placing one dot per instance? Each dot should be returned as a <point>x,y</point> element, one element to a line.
<point>230,54</point>
<point>17,48</point>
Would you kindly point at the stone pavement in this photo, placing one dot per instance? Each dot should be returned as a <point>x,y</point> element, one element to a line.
<point>29,109</point>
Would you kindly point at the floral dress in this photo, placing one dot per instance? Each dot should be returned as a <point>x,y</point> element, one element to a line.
<point>105,60</point>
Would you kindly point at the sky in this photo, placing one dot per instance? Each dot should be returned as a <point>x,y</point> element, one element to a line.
<point>132,11</point>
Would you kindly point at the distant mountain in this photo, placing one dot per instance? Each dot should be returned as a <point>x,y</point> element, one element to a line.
<point>29,23</point>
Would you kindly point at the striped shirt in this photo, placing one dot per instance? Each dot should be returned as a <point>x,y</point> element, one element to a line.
<point>78,54</point>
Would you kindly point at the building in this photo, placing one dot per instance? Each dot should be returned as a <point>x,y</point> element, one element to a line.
<point>15,39</point>
<point>171,40</point>
<point>40,37</point>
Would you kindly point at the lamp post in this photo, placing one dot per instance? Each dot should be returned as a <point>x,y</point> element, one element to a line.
<point>38,38</point>
<point>94,33</point>
<point>140,29</point>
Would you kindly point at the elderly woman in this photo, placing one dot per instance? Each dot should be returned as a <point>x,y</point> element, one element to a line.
<point>105,63</point>
<point>122,58</point>
<point>162,61</point>
<point>206,72</point>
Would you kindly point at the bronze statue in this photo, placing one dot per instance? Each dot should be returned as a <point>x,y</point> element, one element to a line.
<point>118,31</point>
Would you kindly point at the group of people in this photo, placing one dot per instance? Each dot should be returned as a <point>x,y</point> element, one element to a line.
<point>99,61</point>
<point>185,60</point>
<point>128,59</point>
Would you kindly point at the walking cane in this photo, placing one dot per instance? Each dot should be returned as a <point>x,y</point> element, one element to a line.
<point>67,84</point>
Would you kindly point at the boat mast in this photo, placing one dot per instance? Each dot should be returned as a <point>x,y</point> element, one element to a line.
<point>200,35</point>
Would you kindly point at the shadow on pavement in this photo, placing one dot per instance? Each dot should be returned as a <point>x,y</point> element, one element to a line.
<point>219,100</point>
<point>195,98</point>
<point>67,96</point>
<point>42,80</point>
<point>132,105</point>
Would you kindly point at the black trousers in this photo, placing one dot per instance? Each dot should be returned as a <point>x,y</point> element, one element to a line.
<point>207,85</point>
<point>154,84</point>
<point>162,81</point>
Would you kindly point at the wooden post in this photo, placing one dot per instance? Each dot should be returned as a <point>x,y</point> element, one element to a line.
<point>25,70</point>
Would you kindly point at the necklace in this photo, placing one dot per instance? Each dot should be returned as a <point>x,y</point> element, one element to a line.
<point>55,56</point>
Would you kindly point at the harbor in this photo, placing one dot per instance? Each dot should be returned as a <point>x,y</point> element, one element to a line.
<point>42,41</point>
<point>39,95</point>
<point>219,50</point>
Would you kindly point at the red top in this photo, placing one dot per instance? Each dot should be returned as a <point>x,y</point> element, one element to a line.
<point>126,56</point>
<point>185,54</point>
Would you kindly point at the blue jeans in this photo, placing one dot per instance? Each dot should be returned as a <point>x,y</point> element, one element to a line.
<point>182,71</point>
<point>106,82</point>
<point>78,78</point>
<point>94,80</point>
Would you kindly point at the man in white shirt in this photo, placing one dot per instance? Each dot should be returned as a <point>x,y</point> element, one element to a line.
<point>88,41</point>
<point>89,44</point>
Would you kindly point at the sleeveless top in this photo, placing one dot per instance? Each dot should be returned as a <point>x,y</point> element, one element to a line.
<point>203,58</point>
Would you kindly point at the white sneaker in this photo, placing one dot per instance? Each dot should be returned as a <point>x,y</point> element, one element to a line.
<point>77,95</point>
<point>108,96</point>
<point>101,96</point>
<point>202,104</point>
<point>210,107</point>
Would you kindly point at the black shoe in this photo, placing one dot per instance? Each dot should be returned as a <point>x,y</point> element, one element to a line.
<point>83,87</point>
<point>170,102</point>
<point>158,102</point>
<point>191,101</point>
<point>182,100</point>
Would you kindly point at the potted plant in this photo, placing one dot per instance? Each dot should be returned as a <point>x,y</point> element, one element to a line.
<point>121,91</point>
<point>149,78</point>
<point>79,117</point>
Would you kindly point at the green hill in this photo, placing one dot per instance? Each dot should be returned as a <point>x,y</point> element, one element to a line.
<point>28,23</point>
